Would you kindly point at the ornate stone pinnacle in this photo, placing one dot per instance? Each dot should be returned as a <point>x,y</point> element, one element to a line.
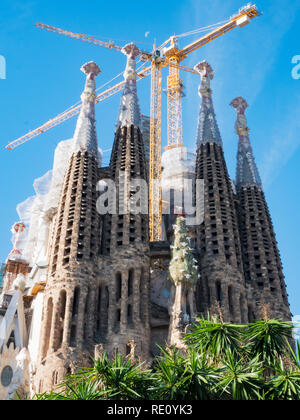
<point>88,97</point>
<point>206,72</point>
<point>240,105</point>
<point>208,130</point>
<point>247,172</point>
<point>91,68</point>
<point>129,113</point>
<point>131,51</point>
<point>85,138</point>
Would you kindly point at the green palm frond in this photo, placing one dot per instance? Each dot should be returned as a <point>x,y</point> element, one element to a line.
<point>285,384</point>
<point>240,380</point>
<point>215,338</point>
<point>268,339</point>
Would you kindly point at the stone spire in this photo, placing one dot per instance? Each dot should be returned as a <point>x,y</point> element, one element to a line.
<point>217,238</point>
<point>208,130</point>
<point>68,326</point>
<point>85,136</point>
<point>129,113</point>
<point>246,172</point>
<point>261,258</point>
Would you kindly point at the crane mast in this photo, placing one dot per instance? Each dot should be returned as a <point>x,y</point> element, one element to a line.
<point>155,211</point>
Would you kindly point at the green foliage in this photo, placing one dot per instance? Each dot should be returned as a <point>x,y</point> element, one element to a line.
<point>215,337</point>
<point>187,377</point>
<point>182,267</point>
<point>222,362</point>
<point>74,389</point>
<point>241,380</point>
<point>120,379</point>
<point>285,385</point>
<point>268,339</point>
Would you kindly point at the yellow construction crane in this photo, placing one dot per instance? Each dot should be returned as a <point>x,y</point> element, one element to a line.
<point>166,55</point>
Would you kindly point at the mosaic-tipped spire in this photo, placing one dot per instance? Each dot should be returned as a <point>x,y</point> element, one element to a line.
<point>129,113</point>
<point>246,172</point>
<point>85,137</point>
<point>208,130</point>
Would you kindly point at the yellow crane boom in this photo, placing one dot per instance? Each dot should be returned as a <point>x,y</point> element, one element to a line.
<point>71,112</point>
<point>75,109</point>
<point>86,38</point>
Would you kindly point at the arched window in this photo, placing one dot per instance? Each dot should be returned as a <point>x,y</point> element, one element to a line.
<point>74,316</point>
<point>86,314</point>
<point>129,315</point>
<point>230,300</point>
<point>242,306</point>
<point>219,292</point>
<point>60,319</point>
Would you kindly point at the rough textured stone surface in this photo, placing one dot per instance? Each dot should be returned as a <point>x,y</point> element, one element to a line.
<point>217,240</point>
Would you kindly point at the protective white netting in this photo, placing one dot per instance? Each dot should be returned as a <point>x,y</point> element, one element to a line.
<point>178,164</point>
<point>61,159</point>
<point>36,210</point>
<point>24,209</point>
<point>177,182</point>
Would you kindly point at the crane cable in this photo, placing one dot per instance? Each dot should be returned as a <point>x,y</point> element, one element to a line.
<point>203,29</point>
<point>101,87</point>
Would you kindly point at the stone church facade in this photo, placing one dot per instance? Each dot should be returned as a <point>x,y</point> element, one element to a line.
<point>105,286</point>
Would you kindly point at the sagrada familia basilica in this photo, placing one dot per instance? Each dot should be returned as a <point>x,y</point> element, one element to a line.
<point>79,282</point>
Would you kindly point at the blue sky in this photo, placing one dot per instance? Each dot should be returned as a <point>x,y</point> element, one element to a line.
<point>43,79</point>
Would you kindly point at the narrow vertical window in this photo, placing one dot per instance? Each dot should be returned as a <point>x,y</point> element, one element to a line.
<point>48,327</point>
<point>130,282</point>
<point>74,317</point>
<point>230,300</point>
<point>118,286</point>
<point>60,319</point>
<point>219,292</point>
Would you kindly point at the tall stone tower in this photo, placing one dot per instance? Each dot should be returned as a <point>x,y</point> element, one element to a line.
<point>217,238</point>
<point>67,324</point>
<point>261,258</point>
<point>125,243</point>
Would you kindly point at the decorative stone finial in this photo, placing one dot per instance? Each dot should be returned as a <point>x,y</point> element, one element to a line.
<point>129,109</point>
<point>91,68</point>
<point>208,130</point>
<point>85,138</point>
<point>131,51</point>
<point>206,72</point>
<point>246,173</point>
<point>88,96</point>
<point>240,105</point>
